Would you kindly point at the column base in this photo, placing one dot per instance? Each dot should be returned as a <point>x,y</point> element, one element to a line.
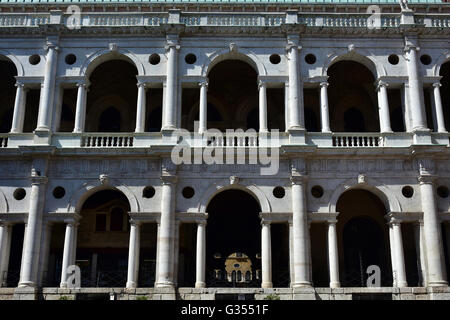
<point>63,285</point>
<point>165,284</point>
<point>335,284</point>
<point>267,285</point>
<point>200,284</point>
<point>131,285</point>
<point>402,284</point>
<point>302,284</point>
<point>26,284</point>
<point>439,283</point>
<point>25,293</point>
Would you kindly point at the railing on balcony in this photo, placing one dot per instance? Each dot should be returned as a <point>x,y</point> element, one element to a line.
<point>357,140</point>
<point>105,140</point>
<point>233,140</point>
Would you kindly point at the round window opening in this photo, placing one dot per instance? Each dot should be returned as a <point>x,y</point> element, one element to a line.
<point>34,59</point>
<point>310,58</point>
<point>442,192</point>
<point>59,192</point>
<point>154,59</point>
<point>188,192</point>
<point>190,58</point>
<point>279,192</point>
<point>317,191</point>
<point>407,191</point>
<point>425,59</point>
<point>148,192</point>
<point>19,193</point>
<point>70,58</point>
<point>237,265</point>
<point>275,59</point>
<point>393,59</point>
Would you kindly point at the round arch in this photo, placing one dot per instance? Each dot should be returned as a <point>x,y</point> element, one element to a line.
<point>101,56</point>
<point>390,201</point>
<point>86,190</point>
<point>4,208</point>
<point>225,54</point>
<point>362,56</point>
<point>6,55</point>
<point>223,185</point>
<point>443,58</point>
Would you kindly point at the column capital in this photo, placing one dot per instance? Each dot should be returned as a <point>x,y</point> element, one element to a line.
<point>135,223</point>
<point>418,223</point>
<point>324,84</point>
<point>83,84</point>
<point>298,179</point>
<point>142,84</point>
<point>265,222</point>
<point>168,179</point>
<point>381,84</point>
<point>262,83</point>
<point>20,85</point>
<point>292,45</point>
<point>437,84</point>
<point>201,222</point>
<point>426,179</point>
<point>172,43</point>
<point>332,221</point>
<point>38,180</point>
<point>203,83</point>
<point>71,222</point>
<point>50,45</point>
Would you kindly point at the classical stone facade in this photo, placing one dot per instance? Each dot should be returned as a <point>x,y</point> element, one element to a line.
<point>350,107</point>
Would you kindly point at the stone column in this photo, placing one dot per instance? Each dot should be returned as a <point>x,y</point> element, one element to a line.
<point>203,108</point>
<point>170,105</point>
<point>133,254</point>
<point>300,233</point>
<point>48,90</point>
<point>415,89</point>
<point>176,251</point>
<point>5,250</point>
<point>296,111</point>
<point>437,112</point>
<point>291,254</point>
<point>69,248</point>
<point>266,255</point>
<point>19,109</point>
<point>324,113</point>
<point>32,238</point>
<point>397,240</point>
<point>383,107</point>
<point>59,96</point>
<point>262,106</point>
<point>166,233</point>
<point>140,108</point>
<point>80,113</point>
<point>158,233</point>
<point>420,252</point>
<point>333,256</point>
<point>45,250</point>
<point>393,255</point>
<point>286,106</point>
<point>432,233</point>
<point>201,255</point>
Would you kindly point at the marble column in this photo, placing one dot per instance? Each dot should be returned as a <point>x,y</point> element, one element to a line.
<point>133,254</point>
<point>170,105</point>
<point>48,90</point>
<point>203,108</point>
<point>32,243</point>
<point>69,248</point>
<point>397,240</point>
<point>333,256</point>
<point>324,112</point>
<point>5,250</point>
<point>432,233</point>
<point>262,106</point>
<point>166,233</point>
<point>383,107</point>
<point>200,281</point>
<point>437,110</point>
<point>266,255</point>
<point>300,233</point>
<point>140,108</point>
<point>80,113</point>
<point>291,254</point>
<point>176,251</point>
<point>415,89</point>
<point>420,252</point>
<point>19,109</point>
<point>393,255</point>
<point>296,116</point>
<point>45,251</point>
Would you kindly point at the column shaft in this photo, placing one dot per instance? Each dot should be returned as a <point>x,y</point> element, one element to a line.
<point>432,234</point>
<point>19,109</point>
<point>266,256</point>
<point>399,255</point>
<point>383,108</point>
<point>333,257</point>
<point>44,256</point>
<point>300,232</point>
<point>201,255</point>
<point>170,112</point>
<point>420,252</point>
<point>295,90</point>
<point>262,107</point>
<point>67,253</point>
<point>5,250</point>
<point>439,114</point>
<point>324,113</point>
<point>80,113</point>
<point>140,108</point>
<point>46,105</point>
<point>32,243</point>
<point>203,108</point>
<point>133,255</point>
